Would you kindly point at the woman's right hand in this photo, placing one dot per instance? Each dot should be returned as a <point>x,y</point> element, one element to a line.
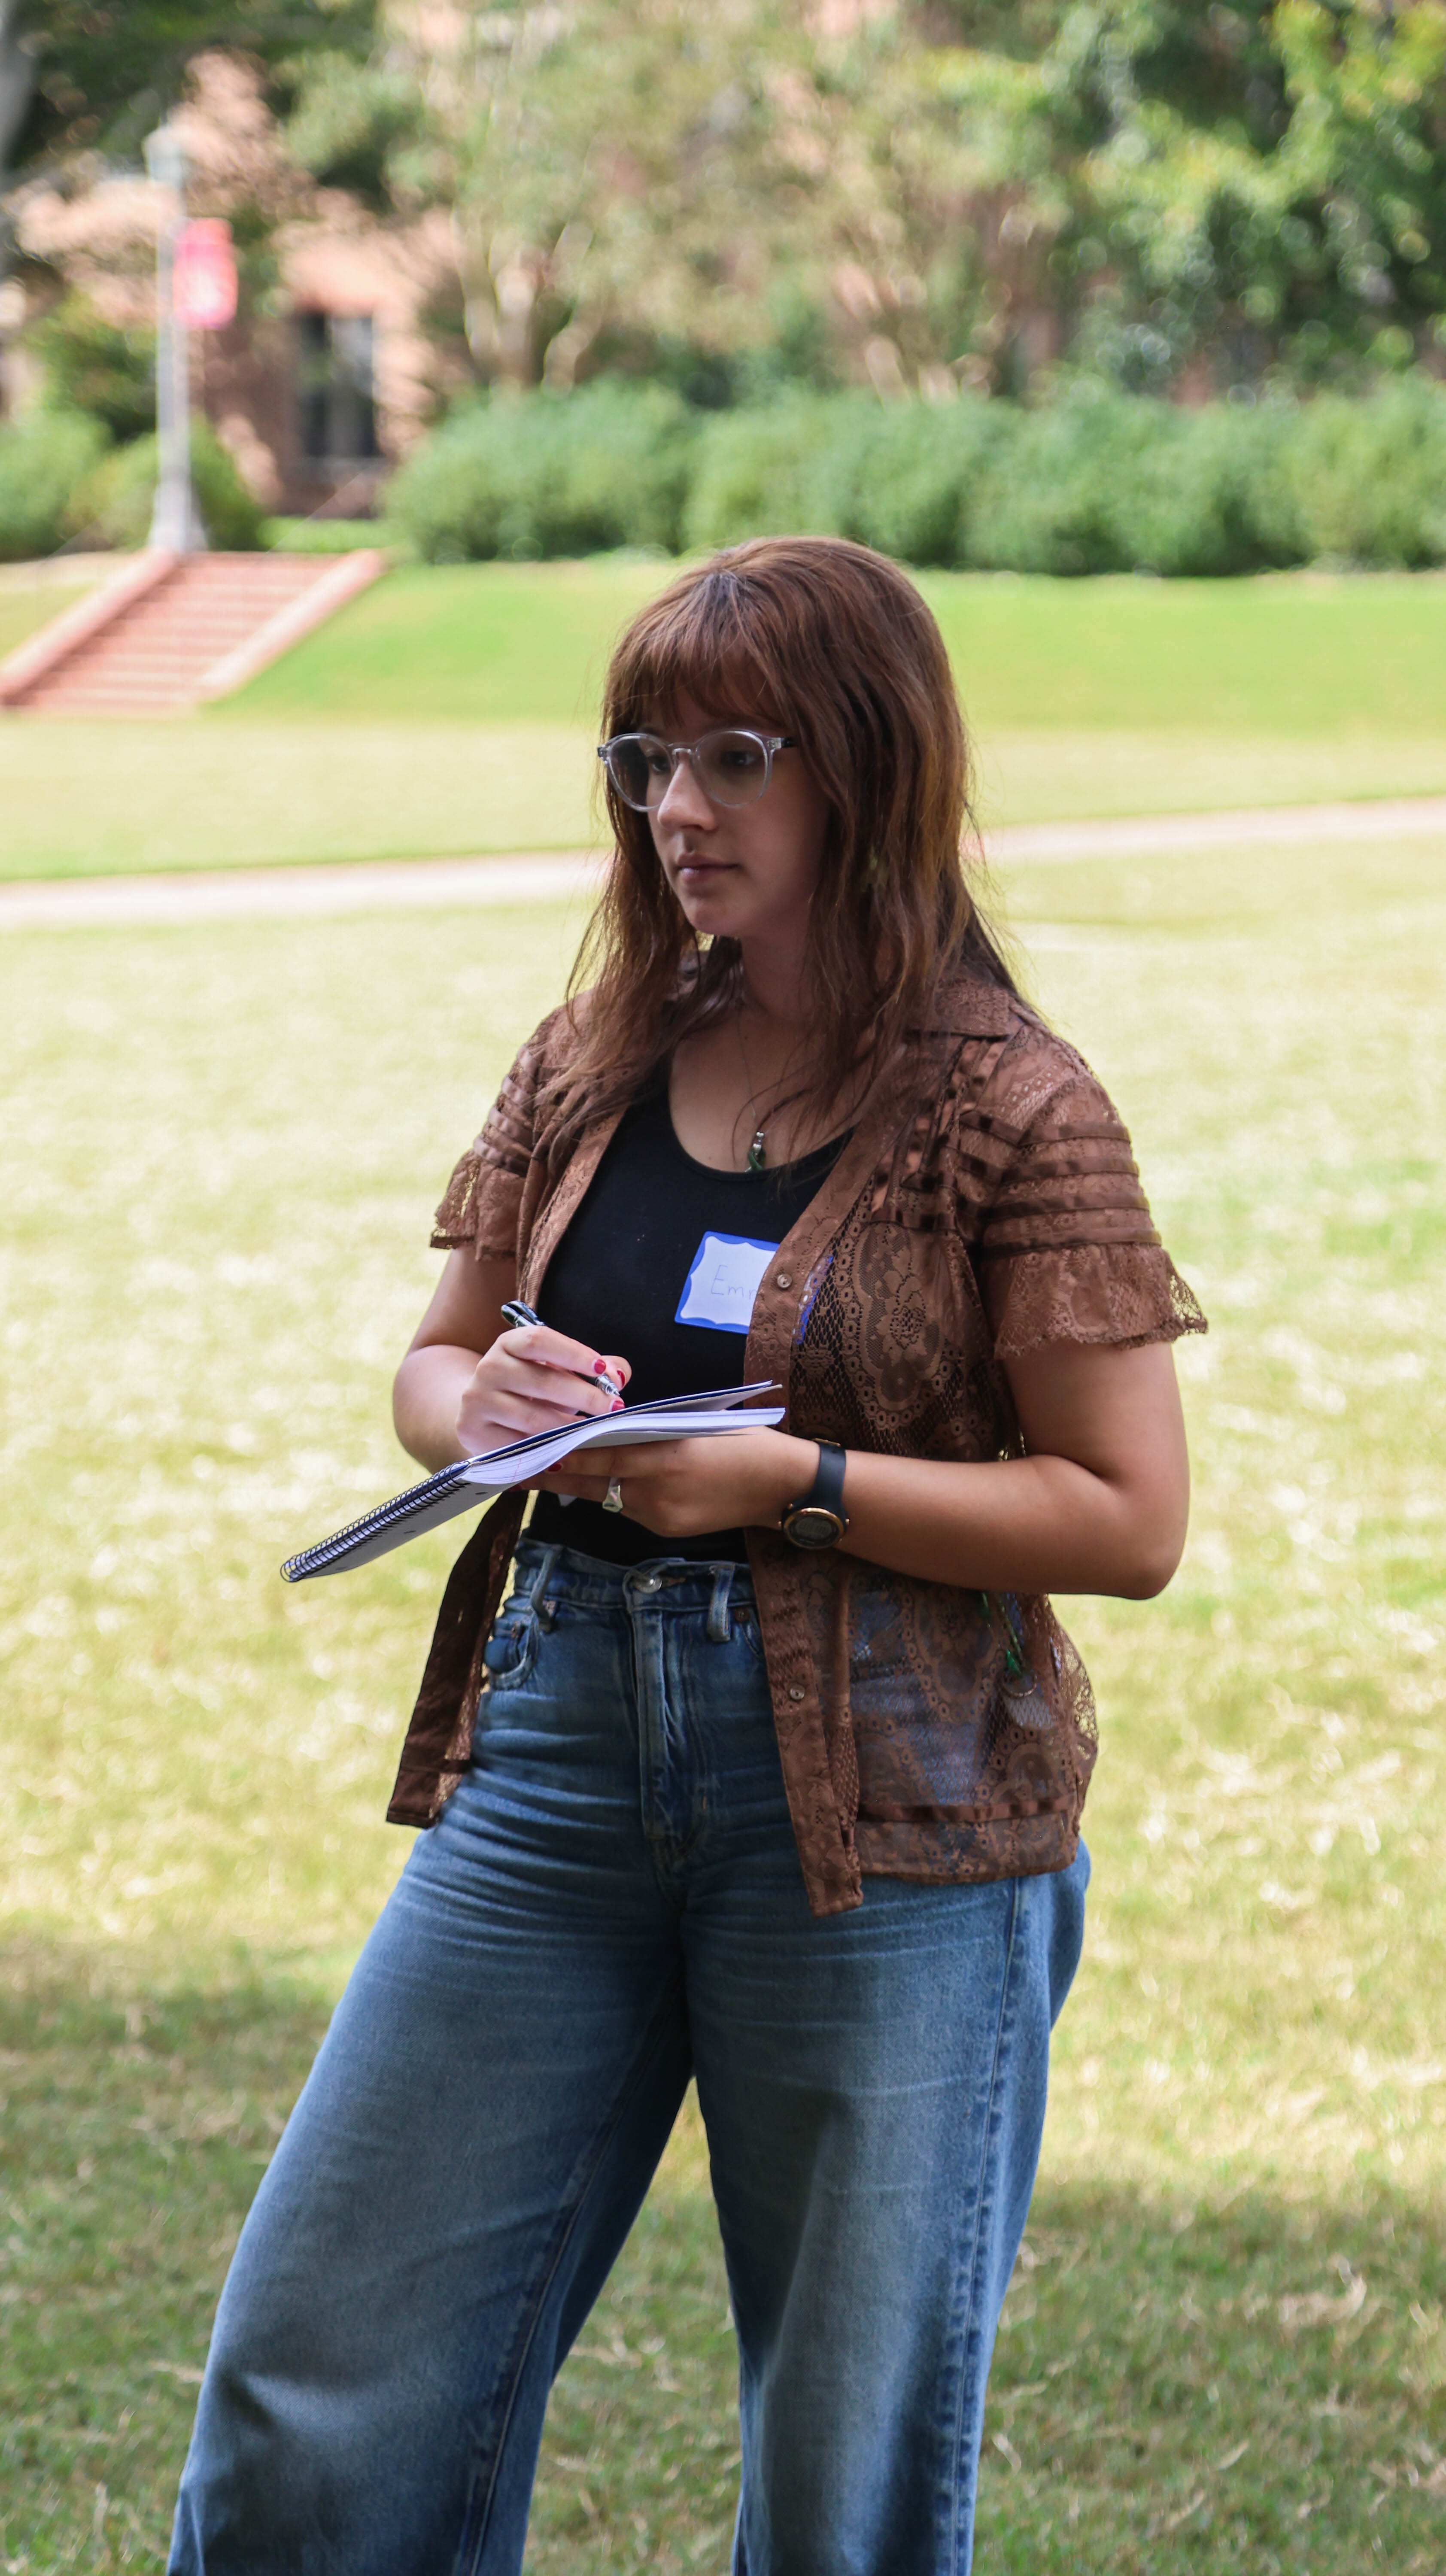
<point>534,1379</point>
<point>459,1392</point>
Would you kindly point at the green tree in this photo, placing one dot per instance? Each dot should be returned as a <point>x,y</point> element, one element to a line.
<point>952,192</point>
<point>96,75</point>
<point>1261,185</point>
<point>610,173</point>
<point>94,367</point>
<point>87,80</point>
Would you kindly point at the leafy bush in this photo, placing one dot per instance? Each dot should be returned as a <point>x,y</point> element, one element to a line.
<point>901,477</point>
<point>1117,483</point>
<point>1363,482</point>
<point>550,474</point>
<point>112,506</point>
<point>1096,482</point>
<point>755,473</point>
<point>907,478</point>
<point>42,461</point>
<point>92,366</point>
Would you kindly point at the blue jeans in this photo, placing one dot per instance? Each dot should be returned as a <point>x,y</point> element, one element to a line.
<point>612,1902</point>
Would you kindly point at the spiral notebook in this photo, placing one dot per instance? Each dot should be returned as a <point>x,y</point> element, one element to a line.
<point>471,1481</point>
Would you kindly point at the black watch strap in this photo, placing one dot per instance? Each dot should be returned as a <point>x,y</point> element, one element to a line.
<point>818,1518</point>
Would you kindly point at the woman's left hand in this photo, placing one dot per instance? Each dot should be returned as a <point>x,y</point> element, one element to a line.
<point>681,1488</point>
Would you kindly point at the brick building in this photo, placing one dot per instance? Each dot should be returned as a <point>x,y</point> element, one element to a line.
<point>328,374</point>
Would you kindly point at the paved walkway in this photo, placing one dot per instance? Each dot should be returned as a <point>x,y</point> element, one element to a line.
<point>298,894</point>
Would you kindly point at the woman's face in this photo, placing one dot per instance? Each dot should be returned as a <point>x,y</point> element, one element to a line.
<point>745,872</point>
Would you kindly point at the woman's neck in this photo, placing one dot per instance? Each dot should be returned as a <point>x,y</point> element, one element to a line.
<point>776,989</point>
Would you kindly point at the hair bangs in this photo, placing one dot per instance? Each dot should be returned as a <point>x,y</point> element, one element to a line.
<point>696,642</point>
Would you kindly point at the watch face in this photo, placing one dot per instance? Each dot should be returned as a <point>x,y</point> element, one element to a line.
<point>813,1527</point>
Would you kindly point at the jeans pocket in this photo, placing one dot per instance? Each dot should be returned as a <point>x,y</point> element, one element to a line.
<point>511,1650</point>
<point>743,1627</point>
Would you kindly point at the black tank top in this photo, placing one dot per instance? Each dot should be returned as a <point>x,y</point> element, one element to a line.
<point>633,1255</point>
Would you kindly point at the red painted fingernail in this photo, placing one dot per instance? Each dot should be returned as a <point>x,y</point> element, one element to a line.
<point>617,1405</point>
<point>599,1368</point>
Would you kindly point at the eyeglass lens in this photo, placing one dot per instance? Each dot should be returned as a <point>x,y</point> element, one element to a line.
<point>732,767</point>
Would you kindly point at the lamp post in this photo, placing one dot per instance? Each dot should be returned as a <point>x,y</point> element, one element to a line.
<point>176,522</point>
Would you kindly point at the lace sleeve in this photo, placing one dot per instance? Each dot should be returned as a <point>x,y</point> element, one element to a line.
<point>482,1202</point>
<point>1067,1250</point>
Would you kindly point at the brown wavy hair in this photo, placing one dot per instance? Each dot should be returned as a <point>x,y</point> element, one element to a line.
<point>831,643</point>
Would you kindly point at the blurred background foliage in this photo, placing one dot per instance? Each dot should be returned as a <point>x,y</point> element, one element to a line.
<point>84,77</point>
<point>937,194</point>
<point>1065,286</point>
<point>1096,481</point>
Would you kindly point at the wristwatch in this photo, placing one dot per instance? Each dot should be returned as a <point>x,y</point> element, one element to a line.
<point>819,1518</point>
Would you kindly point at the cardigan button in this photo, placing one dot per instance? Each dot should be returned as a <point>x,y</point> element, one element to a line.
<point>793,1691</point>
<point>784,1279</point>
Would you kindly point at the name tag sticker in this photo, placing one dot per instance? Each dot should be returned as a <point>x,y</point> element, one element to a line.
<point>723,1282</point>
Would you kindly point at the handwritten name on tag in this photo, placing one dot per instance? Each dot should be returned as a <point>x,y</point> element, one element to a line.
<point>724,1281</point>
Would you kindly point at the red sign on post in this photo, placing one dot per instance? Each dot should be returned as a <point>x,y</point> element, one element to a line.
<point>205,274</point>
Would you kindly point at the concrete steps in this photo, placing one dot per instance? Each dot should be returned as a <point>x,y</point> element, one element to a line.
<point>169,631</point>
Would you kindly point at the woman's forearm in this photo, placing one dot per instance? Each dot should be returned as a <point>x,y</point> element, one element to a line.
<point>1012,1525</point>
<point>1099,1503</point>
<point>426,1397</point>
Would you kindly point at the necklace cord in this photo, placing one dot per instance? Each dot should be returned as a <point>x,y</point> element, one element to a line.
<point>757,1156</point>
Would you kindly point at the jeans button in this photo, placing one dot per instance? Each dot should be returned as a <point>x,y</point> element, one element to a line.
<point>650,1583</point>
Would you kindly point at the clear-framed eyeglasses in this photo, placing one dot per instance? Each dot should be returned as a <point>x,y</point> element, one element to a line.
<point>732,764</point>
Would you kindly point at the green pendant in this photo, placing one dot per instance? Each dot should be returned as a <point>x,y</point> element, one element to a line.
<point>756,1157</point>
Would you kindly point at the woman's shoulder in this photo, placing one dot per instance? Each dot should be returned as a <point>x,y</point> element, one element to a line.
<point>1011,1062</point>
<point>552,1046</point>
<point>1014,1039</point>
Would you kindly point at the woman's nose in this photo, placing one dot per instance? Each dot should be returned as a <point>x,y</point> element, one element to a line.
<point>683,803</point>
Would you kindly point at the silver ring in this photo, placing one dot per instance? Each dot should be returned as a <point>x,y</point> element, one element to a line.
<point>613,1498</point>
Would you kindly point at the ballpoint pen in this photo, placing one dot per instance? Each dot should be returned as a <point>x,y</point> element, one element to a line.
<point>516,1313</point>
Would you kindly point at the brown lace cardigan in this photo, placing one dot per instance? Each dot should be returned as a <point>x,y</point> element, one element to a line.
<point>926,1731</point>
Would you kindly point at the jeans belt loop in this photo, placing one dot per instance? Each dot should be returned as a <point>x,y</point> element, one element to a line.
<point>718,1629</point>
<point>537,1601</point>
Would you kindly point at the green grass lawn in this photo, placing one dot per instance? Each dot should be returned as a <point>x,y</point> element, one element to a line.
<point>92,799</point>
<point>462,644</point>
<point>1225,2348</point>
<point>450,710</point>
<point>27,603</point>
<point>1306,654</point>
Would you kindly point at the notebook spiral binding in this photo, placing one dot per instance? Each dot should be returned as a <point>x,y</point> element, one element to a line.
<point>386,1515</point>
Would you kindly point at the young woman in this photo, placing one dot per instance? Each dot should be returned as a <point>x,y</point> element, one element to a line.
<point>768,1770</point>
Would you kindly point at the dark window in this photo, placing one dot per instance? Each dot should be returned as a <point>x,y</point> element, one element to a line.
<point>334,380</point>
